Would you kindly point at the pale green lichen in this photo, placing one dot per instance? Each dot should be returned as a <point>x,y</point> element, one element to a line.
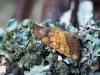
<point>20,45</point>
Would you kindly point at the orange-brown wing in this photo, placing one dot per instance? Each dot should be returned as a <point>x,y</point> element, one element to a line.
<point>74,45</point>
<point>63,42</point>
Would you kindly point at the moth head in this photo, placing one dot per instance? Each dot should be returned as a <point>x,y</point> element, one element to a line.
<point>41,31</point>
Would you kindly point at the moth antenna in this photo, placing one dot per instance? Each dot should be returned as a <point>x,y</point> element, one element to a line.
<point>78,36</point>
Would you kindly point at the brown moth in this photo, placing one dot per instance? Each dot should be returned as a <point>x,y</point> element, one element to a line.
<point>64,42</point>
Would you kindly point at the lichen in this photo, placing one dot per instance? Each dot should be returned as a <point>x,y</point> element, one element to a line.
<point>20,45</point>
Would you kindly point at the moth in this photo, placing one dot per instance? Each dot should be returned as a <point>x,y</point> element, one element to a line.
<point>64,42</point>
